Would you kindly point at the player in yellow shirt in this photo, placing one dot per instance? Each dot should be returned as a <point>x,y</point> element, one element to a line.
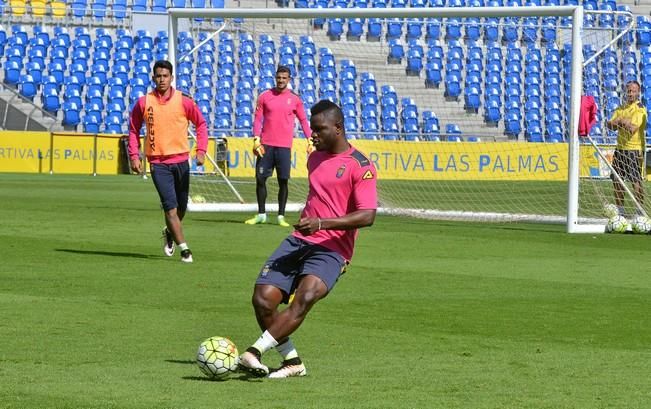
<point>629,120</point>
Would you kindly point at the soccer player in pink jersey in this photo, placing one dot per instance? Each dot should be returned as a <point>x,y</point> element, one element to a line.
<point>273,135</point>
<point>307,264</point>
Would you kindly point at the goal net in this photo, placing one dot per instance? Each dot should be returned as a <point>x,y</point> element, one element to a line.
<point>467,113</point>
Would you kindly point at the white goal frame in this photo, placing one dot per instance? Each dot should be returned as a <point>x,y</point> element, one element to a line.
<point>575,12</point>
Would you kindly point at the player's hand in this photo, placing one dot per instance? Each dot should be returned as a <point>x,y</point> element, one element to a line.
<point>200,158</point>
<point>307,225</point>
<point>258,148</point>
<point>136,166</point>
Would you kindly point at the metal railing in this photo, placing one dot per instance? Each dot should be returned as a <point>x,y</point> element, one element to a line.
<point>29,115</point>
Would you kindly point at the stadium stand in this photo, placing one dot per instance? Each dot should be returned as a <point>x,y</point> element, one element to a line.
<point>513,77</point>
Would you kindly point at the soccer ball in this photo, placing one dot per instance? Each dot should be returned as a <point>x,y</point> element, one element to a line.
<point>641,224</point>
<point>610,210</point>
<point>617,224</point>
<point>217,357</point>
<point>198,199</point>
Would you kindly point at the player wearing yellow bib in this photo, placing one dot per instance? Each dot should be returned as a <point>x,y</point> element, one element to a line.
<point>629,120</point>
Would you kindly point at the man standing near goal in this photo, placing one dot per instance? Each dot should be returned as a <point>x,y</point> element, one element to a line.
<point>166,113</point>
<point>629,120</point>
<point>273,135</point>
<point>305,267</point>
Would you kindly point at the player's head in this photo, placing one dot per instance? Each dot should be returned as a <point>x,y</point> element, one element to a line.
<point>327,123</point>
<point>632,91</point>
<point>162,75</point>
<point>283,75</point>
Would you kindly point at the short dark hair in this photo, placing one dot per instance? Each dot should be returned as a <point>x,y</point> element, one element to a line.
<point>284,68</point>
<point>329,108</point>
<point>634,82</point>
<point>163,64</point>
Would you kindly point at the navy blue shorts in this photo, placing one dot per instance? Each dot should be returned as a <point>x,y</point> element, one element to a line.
<point>274,158</point>
<point>295,258</point>
<point>173,184</point>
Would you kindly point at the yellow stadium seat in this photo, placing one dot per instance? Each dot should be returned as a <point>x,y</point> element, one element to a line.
<point>38,8</point>
<point>17,7</point>
<point>58,9</point>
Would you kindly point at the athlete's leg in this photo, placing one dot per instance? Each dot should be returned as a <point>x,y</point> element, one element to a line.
<point>283,193</point>
<point>309,291</point>
<point>261,193</point>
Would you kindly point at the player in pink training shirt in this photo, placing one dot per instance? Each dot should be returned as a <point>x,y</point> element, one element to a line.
<point>308,263</point>
<point>273,135</point>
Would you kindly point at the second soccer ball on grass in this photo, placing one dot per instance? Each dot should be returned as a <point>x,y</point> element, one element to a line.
<point>641,225</point>
<point>617,224</point>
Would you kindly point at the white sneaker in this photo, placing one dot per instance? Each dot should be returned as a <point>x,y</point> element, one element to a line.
<point>289,369</point>
<point>251,364</point>
<point>186,256</point>
<point>168,243</point>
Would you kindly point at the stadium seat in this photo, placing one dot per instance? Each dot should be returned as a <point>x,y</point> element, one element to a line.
<point>355,29</point>
<point>335,28</point>
<point>91,124</point>
<point>394,29</point>
<point>70,114</point>
<point>472,99</point>
<point>27,87</point>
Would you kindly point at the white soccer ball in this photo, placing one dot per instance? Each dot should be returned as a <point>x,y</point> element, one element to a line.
<point>617,224</point>
<point>198,199</point>
<point>217,357</point>
<point>641,225</point>
<point>610,210</point>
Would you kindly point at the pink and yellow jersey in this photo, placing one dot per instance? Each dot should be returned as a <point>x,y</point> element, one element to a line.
<point>339,184</point>
<point>275,114</point>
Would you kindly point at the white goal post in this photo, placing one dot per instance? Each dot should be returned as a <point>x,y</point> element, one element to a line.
<point>575,222</point>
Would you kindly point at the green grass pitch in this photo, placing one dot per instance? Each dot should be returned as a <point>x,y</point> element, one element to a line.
<point>429,315</point>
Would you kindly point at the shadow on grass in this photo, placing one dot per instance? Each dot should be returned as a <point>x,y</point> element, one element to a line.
<point>237,376</point>
<point>181,361</point>
<point>271,221</point>
<point>108,253</point>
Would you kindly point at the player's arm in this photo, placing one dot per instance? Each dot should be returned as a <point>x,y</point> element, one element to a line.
<point>194,115</point>
<point>364,197</point>
<point>614,123</point>
<point>636,120</point>
<point>135,124</point>
<point>258,116</point>
<point>355,220</point>
<point>305,124</point>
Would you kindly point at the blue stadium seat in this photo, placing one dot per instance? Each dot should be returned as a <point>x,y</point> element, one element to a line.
<point>27,87</point>
<point>453,29</point>
<point>433,29</point>
<point>70,114</point>
<point>394,28</point>
<point>50,98</point>
<point>512,125</point>
<point>243,126</point>
<point>355,29</point>
<point>493,111</point>
<point>91,124</point>
<point>335,28</point>
<point>472,98</point>
<point>113,123</point>
<point>414,29</point>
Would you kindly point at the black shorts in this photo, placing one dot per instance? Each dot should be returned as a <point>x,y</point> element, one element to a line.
<point>172,184</point>
<point>295,258</point>
<point>628,164</point>
<point>274,158</point>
